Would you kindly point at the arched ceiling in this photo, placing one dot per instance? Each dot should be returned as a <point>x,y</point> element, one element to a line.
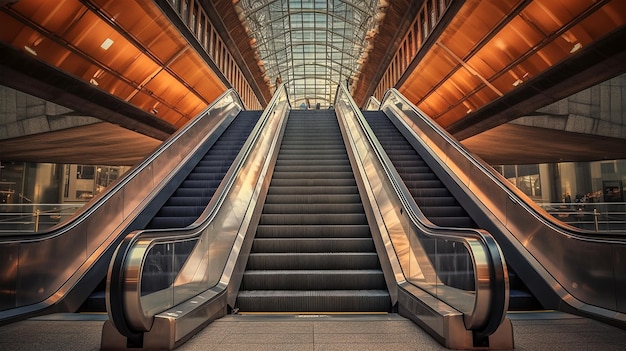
<point>313,45</point>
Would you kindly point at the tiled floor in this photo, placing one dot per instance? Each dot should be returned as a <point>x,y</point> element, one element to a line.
<point>533,331</point>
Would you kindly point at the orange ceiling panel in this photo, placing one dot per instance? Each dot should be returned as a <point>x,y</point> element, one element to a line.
<point>55,16</point>
<point>127,48</point>
<point>473,23</point>
<point>426,108</point>
<point>148,101</point>
<point>166,87</point>
<point>604,21</point>
<point>470,66</point>
<point>115,86</point>
<point>464,80</point>
<point>196,74</point>
<point>139,70</point>
<point>147,25</point>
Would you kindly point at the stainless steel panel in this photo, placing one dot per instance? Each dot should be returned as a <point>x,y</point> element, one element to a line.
<point>43,266</point>
<point>9,260</point>
<point>107,222</point>
<point>619,262</point>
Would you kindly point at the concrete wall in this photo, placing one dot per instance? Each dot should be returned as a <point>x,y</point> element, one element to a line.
<point>22,114</point>
<point>599,110</point>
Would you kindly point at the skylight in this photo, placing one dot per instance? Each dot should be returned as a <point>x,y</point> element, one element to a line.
<point>312,45</point>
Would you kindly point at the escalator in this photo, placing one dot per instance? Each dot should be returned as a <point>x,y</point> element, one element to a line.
<point>433,198</point>
<point>190,199</point>
<point>430,194</point>
<point>298,230</point>
<point>186,204</point>
<point>169,188</point>
<point>313,250</point>
<point>551,265</point>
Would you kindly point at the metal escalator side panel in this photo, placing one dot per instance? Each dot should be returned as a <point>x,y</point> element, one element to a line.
<point>75,254</point>
<point>565,268</point>
<point>213,240</point>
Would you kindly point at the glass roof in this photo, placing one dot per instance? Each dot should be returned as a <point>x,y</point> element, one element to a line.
<point>312,45</point>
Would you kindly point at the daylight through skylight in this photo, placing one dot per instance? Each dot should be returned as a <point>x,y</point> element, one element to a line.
<point>312,45</point>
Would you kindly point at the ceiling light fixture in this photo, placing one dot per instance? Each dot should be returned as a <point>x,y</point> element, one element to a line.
<point>518,82</point>
<point>30,50</point>
<point>106,44</point>
<point>576,47</point>
<point>93,81</point>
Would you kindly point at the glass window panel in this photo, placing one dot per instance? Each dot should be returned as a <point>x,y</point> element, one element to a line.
<point>312,44</point>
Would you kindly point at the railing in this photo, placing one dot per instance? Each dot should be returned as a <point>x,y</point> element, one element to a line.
<point>203,255</point>
<point>594,216</point>
<point>32,218</point>
<point>463,268</point>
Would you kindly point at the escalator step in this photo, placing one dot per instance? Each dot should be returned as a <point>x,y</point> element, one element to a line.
<point>309,218</point>
<point>187,201</point>
<point>313,231</point>
<point>267,245</point>
<point>443,211</point>
<point>314,260</point>
<point>312,182</point>
<point>313,190</point>
<point>313,279</point>
<point>331,208</point>
<point>313,199</point>
<point>181,211</point>
<point>457,222</point>
<point>313,250</point>
<point>313,300</point>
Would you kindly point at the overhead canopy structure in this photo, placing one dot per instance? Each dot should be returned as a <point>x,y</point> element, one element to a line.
<point>312,45</point>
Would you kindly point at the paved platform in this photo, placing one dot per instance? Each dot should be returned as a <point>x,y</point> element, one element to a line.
<point>388,332</point>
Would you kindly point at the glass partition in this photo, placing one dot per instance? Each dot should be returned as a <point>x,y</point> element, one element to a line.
<point>593,216</point>
<point>16,219</point>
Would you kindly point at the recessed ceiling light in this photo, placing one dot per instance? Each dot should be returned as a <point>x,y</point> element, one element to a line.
<point>106,44</point>
<point>517,82</point>
<point>93,81</point>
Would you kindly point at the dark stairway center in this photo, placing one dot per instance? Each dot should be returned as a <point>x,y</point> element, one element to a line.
<point>313,250</point>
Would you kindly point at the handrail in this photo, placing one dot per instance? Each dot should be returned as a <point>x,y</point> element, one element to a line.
<point>217,233</point>
<point>372,104</point>
<point>96,229</point>
<point>490,301</point>
<point>556,257</point>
